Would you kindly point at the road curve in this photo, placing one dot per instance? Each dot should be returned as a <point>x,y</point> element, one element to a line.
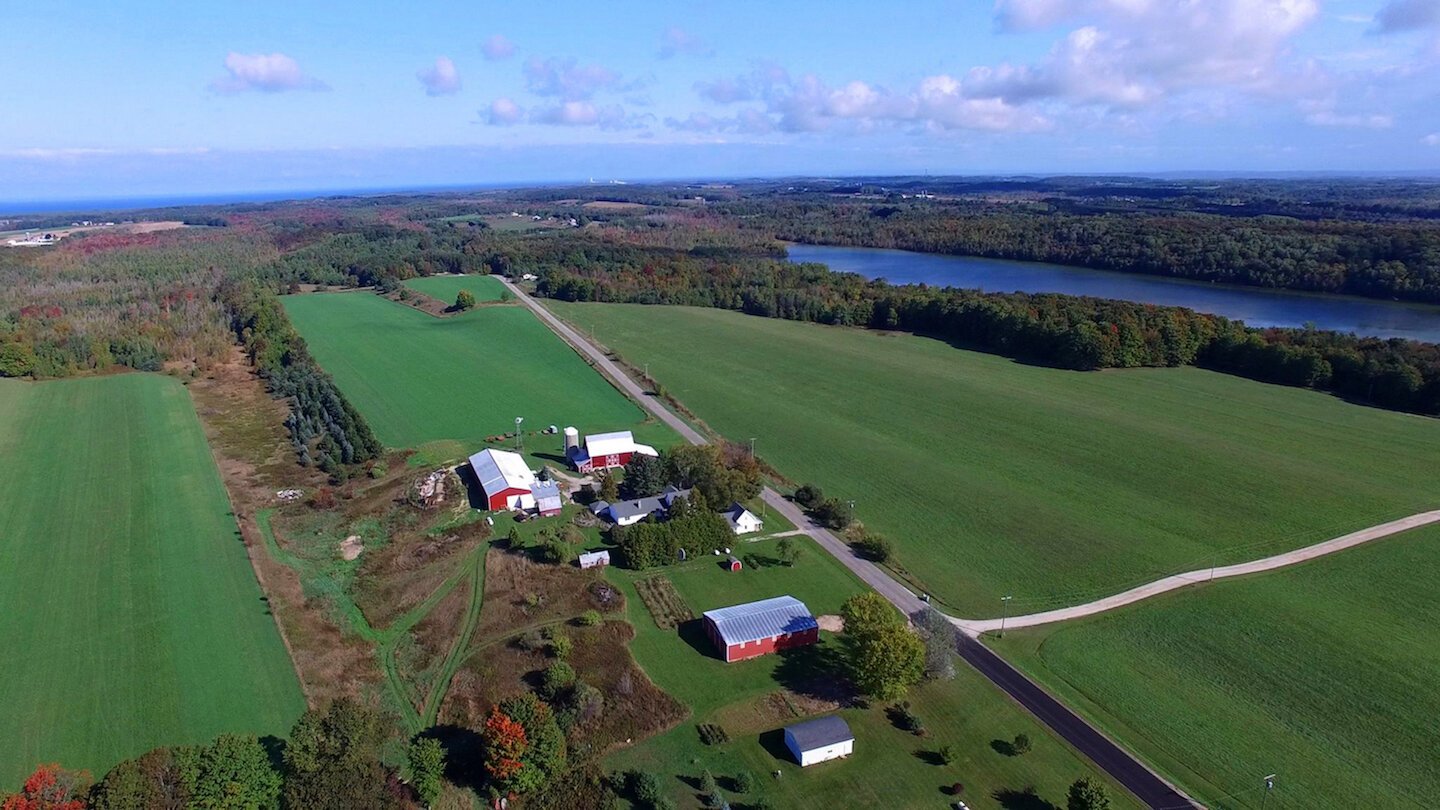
<point>1185,580</point>
<point>1147,786</point>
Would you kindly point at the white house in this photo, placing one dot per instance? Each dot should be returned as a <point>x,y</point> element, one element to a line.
<point>742,520</point>
<point>819,740</point>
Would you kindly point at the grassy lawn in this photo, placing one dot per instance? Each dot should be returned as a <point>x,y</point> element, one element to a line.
<point>445,288</point>
<point>419,379</point>
<point>995,478</point>
<point>891,768</point>
<point>128,609</point>
<point>1327,675</point>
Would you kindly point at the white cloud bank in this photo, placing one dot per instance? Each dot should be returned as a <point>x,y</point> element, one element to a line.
<point>497,47</point>
<point>266,73</point>
<point>440,79</point>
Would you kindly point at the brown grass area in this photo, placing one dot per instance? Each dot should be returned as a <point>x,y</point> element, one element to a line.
<point>401,574</point>
<point>247,437</point>
<point>611,205</point>
<point>562,592</point>
<point>665,604</point>
<point>769,711</point>
<point>430,640</point>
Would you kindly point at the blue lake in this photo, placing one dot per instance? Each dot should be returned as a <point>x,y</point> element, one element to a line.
<point>1255,306</point>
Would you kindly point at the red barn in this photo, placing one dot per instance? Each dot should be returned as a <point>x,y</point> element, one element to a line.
<point>505,479</point>
<point>602,451</point>
<point>756,628</point>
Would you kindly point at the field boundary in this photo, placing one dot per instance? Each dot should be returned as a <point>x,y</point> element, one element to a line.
<point>974,627</point>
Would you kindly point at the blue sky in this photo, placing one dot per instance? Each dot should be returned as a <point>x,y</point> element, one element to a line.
<point>144,98</point>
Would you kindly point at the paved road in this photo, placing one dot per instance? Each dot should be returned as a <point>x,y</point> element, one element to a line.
<point>1171,583</point>
<point>1114,760</point>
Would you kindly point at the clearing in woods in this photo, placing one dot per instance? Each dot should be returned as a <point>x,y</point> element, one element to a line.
<point>419,379</point>
<point>129,612</point>
<point>445,288</point>
<point>1057,487</point>
<point>1327,674</point>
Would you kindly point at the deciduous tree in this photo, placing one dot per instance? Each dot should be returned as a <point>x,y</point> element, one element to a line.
<point>49,788</point>
<point>1087,794</point>
<point>427,768</point>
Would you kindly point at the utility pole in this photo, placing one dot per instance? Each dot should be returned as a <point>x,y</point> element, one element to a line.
<point>752,447</point>
<point>1269,786</point>
<point>1004,612</point>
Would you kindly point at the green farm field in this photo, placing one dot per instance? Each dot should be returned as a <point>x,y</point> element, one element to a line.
<point>890,768</point>
<point>445,288</point>
<point>1057,487</point>
<point>129,612</point>
<point>422,380</point>
<point>1326,674</point>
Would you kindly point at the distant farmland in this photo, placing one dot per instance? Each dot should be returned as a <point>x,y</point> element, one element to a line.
<point>419,379</point>
<point>998,478</point>
<point>129,613</point>
<point>1327,674</point>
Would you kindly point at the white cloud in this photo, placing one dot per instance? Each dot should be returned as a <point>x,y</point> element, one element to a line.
<point>1433,139</point>
<point>267,73</point>
<point>504,112</point>
<point>585,114</point>
<point>677,41</point>
<point>497,47</point>
<point>440,79</point>
<point>566,79</point>
<point>1330,118</point>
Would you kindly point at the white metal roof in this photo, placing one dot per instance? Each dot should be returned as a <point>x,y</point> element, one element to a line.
<point>591,556</point>
<point>763,619</point>
<point>608,444</point>
<point>499,470</point>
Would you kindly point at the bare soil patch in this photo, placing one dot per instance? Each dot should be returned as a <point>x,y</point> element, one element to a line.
<point>831,623</point>
<point>351,547</point>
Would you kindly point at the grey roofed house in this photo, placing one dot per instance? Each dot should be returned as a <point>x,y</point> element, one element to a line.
<point>820,732</point>
<point>764,619</point>
<point>627,512</point>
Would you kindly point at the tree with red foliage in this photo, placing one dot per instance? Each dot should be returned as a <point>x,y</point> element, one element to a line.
<point>49,788</point>
<point>505,744</point>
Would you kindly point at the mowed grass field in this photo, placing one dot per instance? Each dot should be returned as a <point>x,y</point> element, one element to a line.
<point>419,379</point>
<point>890,768</point>
<point>1327,674</point>
<point>445,288</point>
<point>1056,487</point>
<point>129,614</point>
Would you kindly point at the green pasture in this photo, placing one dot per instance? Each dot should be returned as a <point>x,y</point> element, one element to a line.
<point>129,612</point>
<point>890,768</point>
<point>451,382</point>
<point>445,288</point>
<point>1057,487</point>
<point>1327,675</point>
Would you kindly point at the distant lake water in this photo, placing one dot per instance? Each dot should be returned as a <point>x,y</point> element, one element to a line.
<point>1256,306</point>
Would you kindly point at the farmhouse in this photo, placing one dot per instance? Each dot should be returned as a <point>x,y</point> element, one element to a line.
<point>820,739</point>
<point>594,559</point>
<point>742,520</point>
<point>505,479</point>
<point>755,628</point>
<point>547,498</point>
<point>624,513</point>
<point>603,451</point>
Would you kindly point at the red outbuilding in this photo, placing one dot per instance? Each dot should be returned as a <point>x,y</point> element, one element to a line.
<point>603,451</point>
<point>756,628</point>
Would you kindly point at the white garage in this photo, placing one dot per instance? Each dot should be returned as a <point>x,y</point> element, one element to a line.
<point>819,740</point>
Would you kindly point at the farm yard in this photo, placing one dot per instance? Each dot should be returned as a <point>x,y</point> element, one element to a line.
<point>747,701</point>
<point>996,478</point>
<point>1325,674</point>
<point>128,608</point>
<point>455,381</point>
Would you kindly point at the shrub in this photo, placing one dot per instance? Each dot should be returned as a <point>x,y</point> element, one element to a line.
<point>465,300</point>
<point>708,786</point>
<point>744,782</point>
<point>1021,744</point>
<point>711,734</point>
<point>532,599</point>
<point>531,640</point>
<point>556,679</point>
<point>378,470</point>
<point>643,786</point>
<point>561,645</point>
<point>874,547</point>
<point>948,754</point>
<point>809,496</point>
<point>834,513</point>
<point>557,551</point>
<point>589,618</point>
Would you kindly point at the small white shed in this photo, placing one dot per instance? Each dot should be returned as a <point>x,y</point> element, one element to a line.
<point>594,559</point>
<point>818,740</point>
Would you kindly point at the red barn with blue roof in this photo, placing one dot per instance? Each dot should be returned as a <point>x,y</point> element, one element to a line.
<point>756,628</point>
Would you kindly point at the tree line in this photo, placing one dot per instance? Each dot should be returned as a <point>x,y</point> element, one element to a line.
<point>1051,329</point>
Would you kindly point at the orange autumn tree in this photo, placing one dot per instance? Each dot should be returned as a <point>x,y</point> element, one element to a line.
<point>505,744</point>
<point>49,788</point>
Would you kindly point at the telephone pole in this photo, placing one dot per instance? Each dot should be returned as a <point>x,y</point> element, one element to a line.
<point>1004,612</point>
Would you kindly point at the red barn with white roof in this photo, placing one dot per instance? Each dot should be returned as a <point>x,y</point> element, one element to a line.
<point>756,628</point>
<point>603,451</point>
<point>505,479</point>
